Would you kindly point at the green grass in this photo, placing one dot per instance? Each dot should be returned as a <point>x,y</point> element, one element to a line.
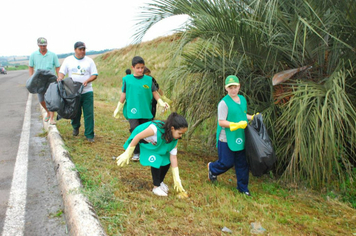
<point>123,197</point>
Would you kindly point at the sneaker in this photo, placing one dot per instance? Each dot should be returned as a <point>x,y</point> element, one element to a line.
<point>136,157</point>
<point>212,177</point>
<point>159,192</point>
<point>247,194</point>
<point>91,140</point>
<point>75,132</point>
<point>164,187</point>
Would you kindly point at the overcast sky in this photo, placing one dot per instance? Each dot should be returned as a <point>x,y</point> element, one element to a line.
<point>100,24</point>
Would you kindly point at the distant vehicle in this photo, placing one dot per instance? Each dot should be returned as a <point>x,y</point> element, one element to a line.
<point>2,70</point>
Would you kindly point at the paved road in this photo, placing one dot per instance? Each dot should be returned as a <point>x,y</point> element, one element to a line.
<point>27,175</point>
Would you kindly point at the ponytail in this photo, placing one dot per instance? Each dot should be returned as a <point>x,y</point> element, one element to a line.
<point>177,122</point>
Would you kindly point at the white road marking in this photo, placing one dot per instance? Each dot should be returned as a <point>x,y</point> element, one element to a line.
<point>15,213</point>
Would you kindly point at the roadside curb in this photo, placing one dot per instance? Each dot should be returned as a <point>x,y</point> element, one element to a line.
<point>79,212</point>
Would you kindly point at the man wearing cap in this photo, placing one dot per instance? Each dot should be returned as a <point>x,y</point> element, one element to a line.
<point>82,69</point>
<point>230,136</point>
<point>45,60</point>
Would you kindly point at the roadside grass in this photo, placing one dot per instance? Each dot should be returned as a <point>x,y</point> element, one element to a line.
<point>125,204</point>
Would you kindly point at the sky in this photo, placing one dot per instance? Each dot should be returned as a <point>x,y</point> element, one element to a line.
<point>100,24</point>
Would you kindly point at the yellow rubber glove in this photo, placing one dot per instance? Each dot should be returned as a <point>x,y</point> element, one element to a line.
<point>167,100</point>
<point>163,104</point>
<point>254,115</point>
<point>118,109</point>
<point>239,125</point>
<point>177,183</point>
<point>124,158</point>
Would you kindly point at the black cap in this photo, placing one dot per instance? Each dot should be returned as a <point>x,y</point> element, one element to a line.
<point>79,45</point>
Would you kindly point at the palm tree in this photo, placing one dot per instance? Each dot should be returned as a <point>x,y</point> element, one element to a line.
<point>311,112</point>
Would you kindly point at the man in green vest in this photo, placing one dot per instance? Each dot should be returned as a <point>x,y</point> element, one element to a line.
<point>230,136</point>
<point>138,90</point>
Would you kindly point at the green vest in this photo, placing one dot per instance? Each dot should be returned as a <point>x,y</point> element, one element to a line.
<point>138,97</point>
<point>236,113</point>
<point>153,155</point>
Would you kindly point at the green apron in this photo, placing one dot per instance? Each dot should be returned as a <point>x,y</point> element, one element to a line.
<point>236,113</point>
<point>153,155</point>
<point>138,97</point>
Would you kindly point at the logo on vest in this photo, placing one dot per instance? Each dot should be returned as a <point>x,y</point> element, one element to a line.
<point>239,141</point>
<point>146,86</point>
<point>133,110</point>
<point>152,159</point>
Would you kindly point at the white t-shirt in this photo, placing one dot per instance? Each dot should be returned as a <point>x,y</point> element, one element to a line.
<point>153,139</point>
<point>80,70</point>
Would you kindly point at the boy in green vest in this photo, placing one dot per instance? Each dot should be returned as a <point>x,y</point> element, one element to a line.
<point>230,136</point>
<point>159,151</point>
<point>138,90</point>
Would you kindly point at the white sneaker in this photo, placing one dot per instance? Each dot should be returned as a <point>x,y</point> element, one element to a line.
<point>159,192</point>
<point>135,157</point>
<point>164,187</point>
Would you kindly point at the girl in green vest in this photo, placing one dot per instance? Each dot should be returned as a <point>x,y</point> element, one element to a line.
<point>230,136</point>
<point>158,151</point>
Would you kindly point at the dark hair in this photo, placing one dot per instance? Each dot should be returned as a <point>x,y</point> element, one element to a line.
<point>145,70</point>
<point>128,71</point>
<point>174,120</point>
<point>137,60</point>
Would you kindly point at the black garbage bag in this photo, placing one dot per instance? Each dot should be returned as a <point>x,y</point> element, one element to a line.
<point>70,92</point>
<point>258,147</point>
<point>40,80</point>
<point>53,99</point>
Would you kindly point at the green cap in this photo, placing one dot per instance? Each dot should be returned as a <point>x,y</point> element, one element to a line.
<point>231,80</point>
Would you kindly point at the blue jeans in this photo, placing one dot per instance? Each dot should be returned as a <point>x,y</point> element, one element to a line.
<point>228,159</point>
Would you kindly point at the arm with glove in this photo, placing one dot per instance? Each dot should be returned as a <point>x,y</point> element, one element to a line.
<point>160,101</point>
<point>120,105</point>
<point>176,179</point>
<point>124,158</point>
<point>233,125</point>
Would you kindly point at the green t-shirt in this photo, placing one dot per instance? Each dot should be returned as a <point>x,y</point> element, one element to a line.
<point>138,97</point>
<point>236,113</point>
<point>49,61</point>
<point>153,155</point>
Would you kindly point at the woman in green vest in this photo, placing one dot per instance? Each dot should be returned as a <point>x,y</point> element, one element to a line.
<point>159,150</point>
<point>230,136</point>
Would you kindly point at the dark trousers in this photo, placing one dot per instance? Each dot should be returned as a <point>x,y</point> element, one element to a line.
<point>158,174</point>
<point>87,104</point>
<point>133,124</point>
<point>228,159</point>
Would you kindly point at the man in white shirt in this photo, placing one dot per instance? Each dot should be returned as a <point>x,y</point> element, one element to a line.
<point>82,69</point>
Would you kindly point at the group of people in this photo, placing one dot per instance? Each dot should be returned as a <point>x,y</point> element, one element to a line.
<point>153,142</point>
<point>81,69</point>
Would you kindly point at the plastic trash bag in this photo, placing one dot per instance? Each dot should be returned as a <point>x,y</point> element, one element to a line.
<point>52,98</point>
<point>70,92</point>
<point>40,80</point>
<point>258,147</point>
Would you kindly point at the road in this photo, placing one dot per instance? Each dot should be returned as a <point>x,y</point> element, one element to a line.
<point>30,199</point>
